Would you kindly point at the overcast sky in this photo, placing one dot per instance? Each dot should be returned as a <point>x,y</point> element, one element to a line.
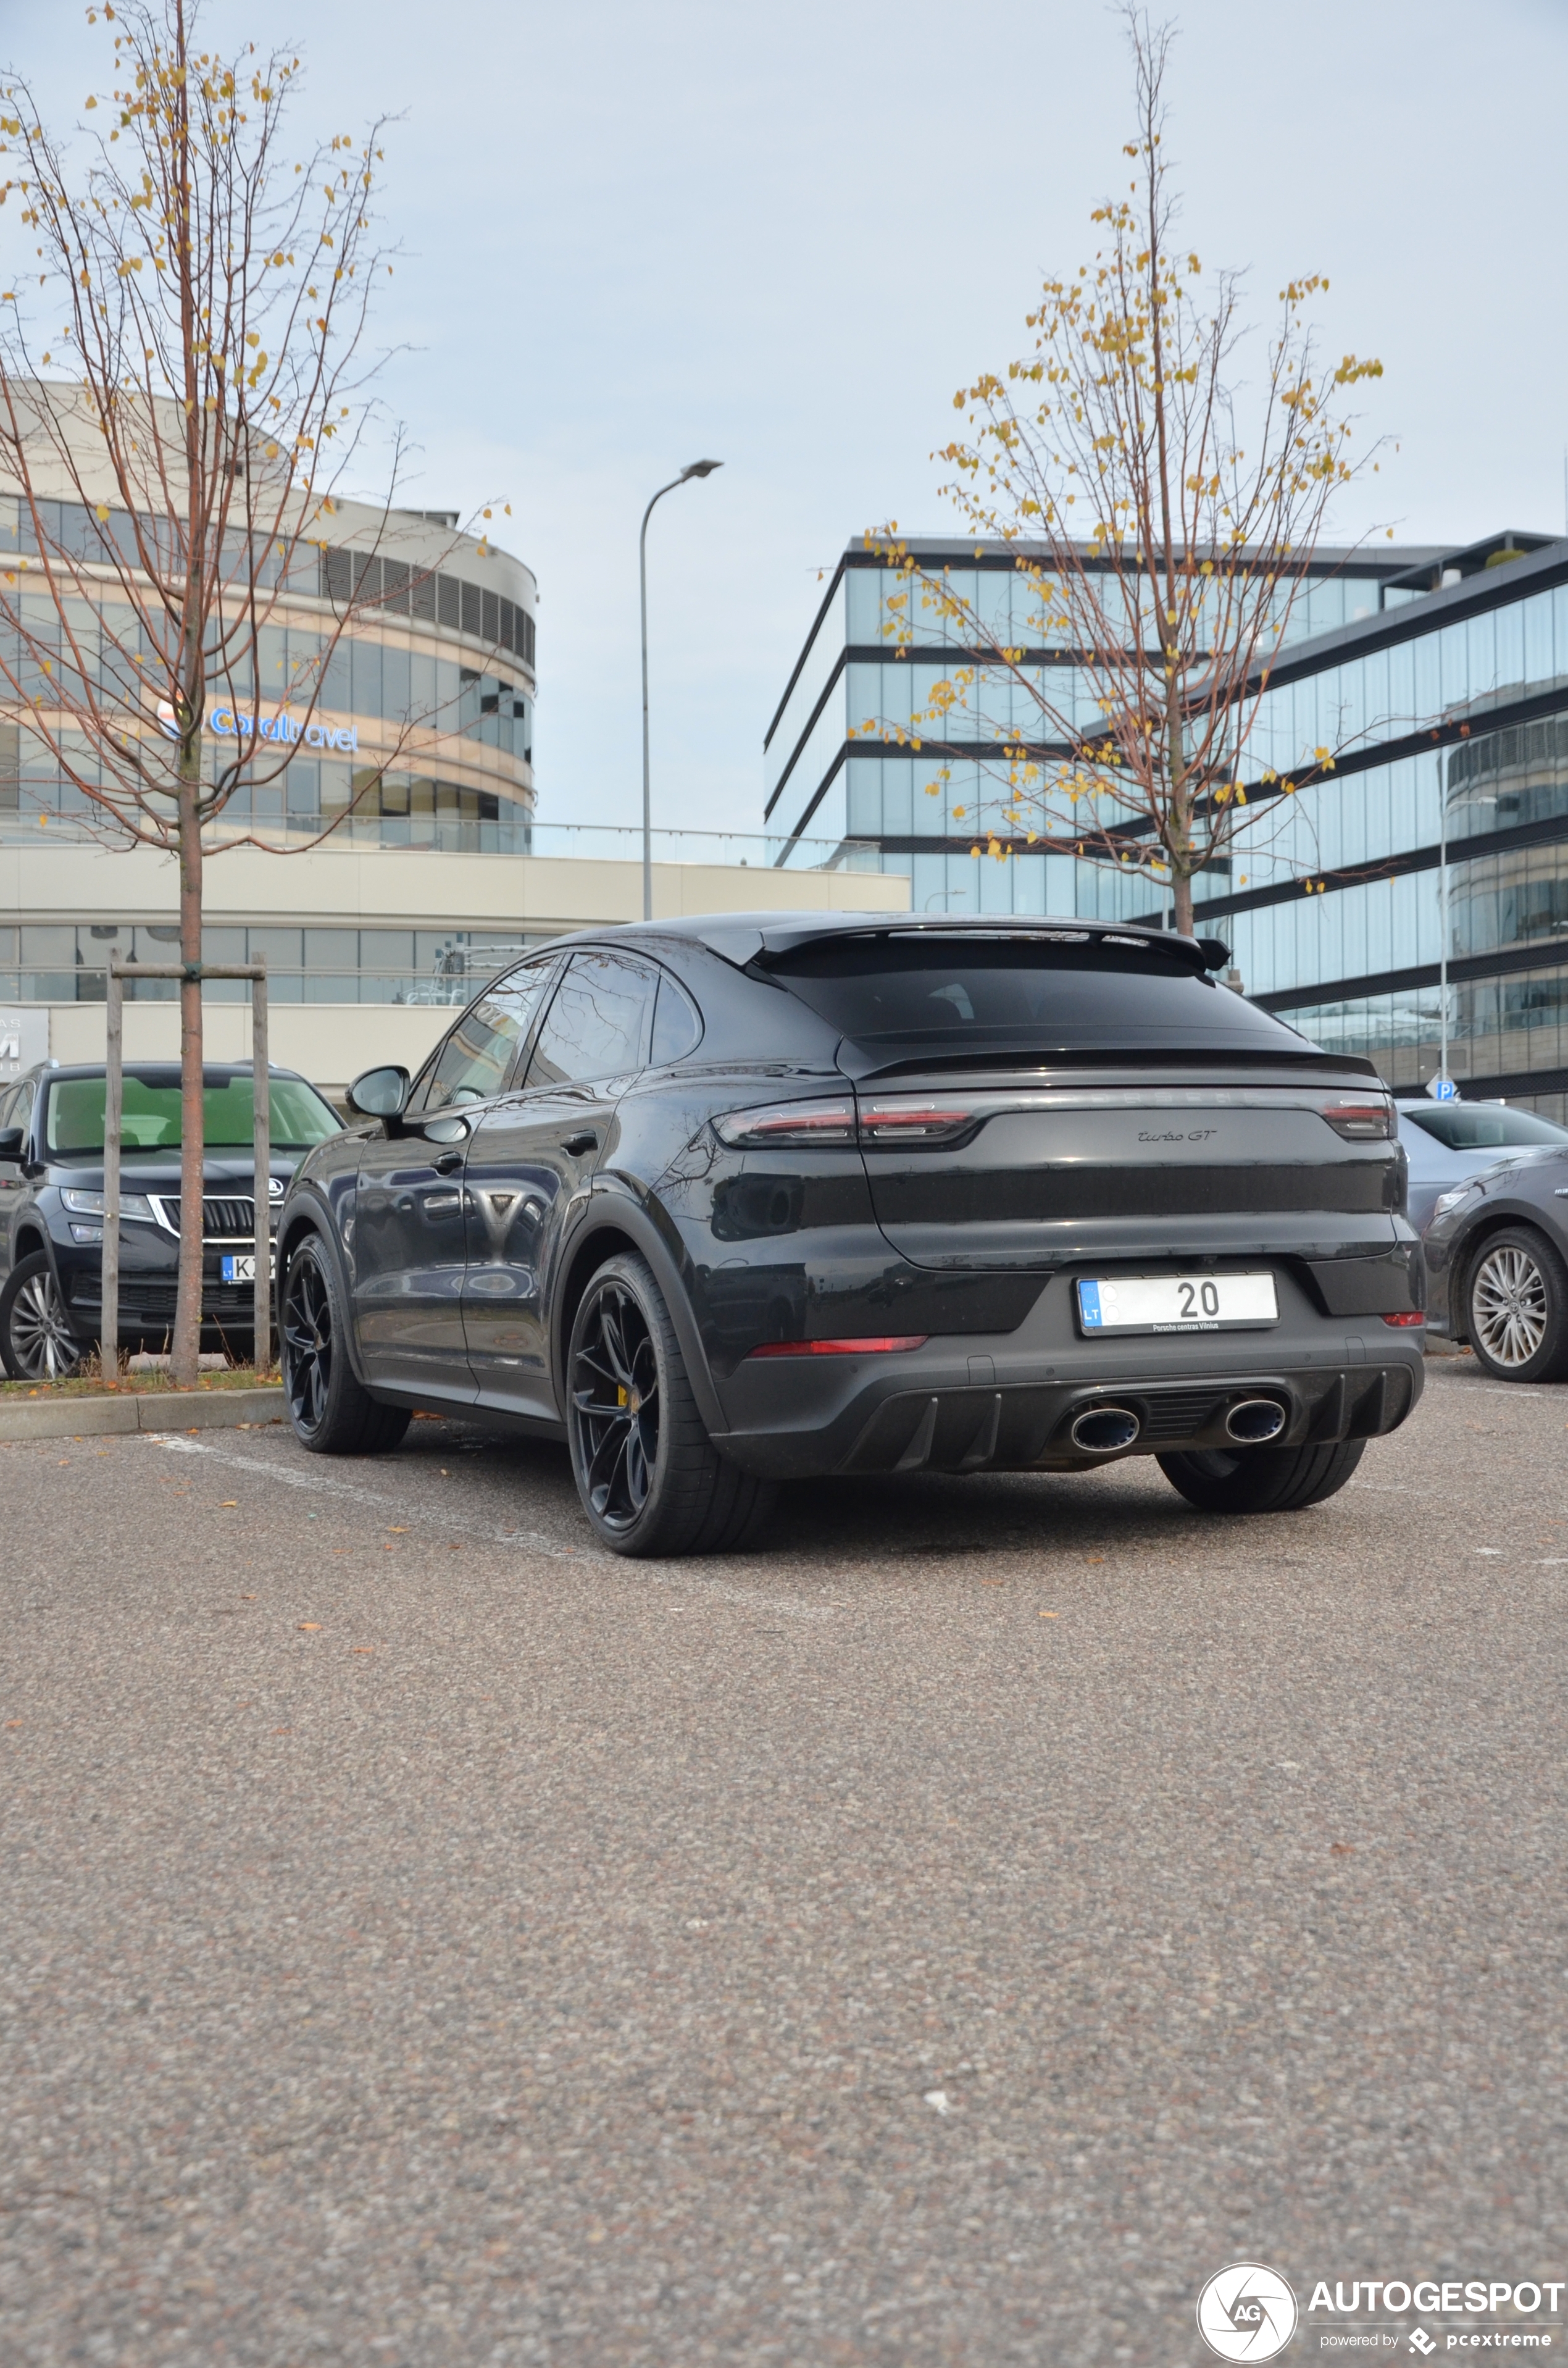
<point>637,234</point>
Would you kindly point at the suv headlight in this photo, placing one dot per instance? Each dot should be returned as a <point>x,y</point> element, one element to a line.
<point>135,1207</point>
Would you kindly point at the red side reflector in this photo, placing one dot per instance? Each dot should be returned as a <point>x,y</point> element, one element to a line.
<point>1410,1316</point>
<point>842,1348</point>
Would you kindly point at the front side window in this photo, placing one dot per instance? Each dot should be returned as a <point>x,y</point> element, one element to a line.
<point>476,1059</point>
<point>595,1024</point>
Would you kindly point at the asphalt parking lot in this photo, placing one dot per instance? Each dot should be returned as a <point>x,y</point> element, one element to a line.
<point>946,1937</point>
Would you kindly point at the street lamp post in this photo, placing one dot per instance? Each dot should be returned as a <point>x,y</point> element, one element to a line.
<point>694,469</point>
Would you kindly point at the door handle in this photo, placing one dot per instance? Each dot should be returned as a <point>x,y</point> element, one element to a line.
<point>579,1143</point>
<point>448,1162</point>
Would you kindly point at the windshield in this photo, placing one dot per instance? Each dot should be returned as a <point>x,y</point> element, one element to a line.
<point>151,1114</point>
<point>1484,1126</point>
<point>941,995</point>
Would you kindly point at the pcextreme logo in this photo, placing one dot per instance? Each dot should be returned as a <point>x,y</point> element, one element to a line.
<point>1247,2311</point>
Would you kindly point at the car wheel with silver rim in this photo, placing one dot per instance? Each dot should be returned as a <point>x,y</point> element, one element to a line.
<point>1517,1306</point>
<point>36,1338</point>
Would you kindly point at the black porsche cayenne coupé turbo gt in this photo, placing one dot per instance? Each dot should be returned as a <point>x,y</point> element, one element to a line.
<point>730,1201</point>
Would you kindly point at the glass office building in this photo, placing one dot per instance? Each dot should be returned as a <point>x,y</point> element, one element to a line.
<point>1429,861</point>
<point>416,735</point>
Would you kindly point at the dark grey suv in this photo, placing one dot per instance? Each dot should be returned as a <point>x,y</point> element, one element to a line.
<point>728,1202</point>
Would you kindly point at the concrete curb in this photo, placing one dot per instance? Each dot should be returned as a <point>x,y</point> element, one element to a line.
<point>137,1410</point>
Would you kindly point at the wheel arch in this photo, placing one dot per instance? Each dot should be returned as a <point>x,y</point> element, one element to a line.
<point>614,1222</point>
<point>31,1239</point>
<point>307,1217</point>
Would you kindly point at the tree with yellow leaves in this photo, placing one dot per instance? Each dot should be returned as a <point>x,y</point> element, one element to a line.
<point>1162,542</point>
<point>174,435</point>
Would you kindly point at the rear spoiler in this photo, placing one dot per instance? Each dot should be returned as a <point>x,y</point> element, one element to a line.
<point>757,942</point>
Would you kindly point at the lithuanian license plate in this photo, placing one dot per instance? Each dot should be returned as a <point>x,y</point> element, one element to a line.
<point>1177,1303</point>
<point>239,1269</point>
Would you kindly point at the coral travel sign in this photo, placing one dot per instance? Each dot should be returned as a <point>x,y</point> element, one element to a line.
<point>282,729</point>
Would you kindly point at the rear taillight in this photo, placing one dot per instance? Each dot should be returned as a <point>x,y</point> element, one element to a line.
<point>788,1123</point>
<point>914,1122</point>
<point>1406,1318</point>
<point>1360,1121</point>
<point>879,1346</point>
<point>917,1120</point>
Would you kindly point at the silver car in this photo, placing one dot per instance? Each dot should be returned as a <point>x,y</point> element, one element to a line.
<point>1447,1142</point>
<point>1497,1265</point>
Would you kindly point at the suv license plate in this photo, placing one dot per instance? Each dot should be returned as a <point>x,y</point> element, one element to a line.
<point>1177,1303</point>
<point>243,1269</point>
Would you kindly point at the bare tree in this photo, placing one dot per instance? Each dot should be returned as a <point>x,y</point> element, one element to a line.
<point>1161,541</point>
<point>207,297</point>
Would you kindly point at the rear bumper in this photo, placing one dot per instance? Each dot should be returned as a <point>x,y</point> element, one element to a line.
<point>1008,1403</point>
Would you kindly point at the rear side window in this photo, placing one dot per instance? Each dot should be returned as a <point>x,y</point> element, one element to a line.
<point>677,1028</point>
<point>1481,1126</point>
<point>597,1021</point>
<point>941,996</point>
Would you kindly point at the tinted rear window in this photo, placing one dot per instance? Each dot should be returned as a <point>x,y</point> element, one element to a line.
<point>1479,1126</point>
<point>943,996</point>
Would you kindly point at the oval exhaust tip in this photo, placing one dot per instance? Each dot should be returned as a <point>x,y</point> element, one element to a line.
<point>1106,1431</point>
<point>1251,1422</point>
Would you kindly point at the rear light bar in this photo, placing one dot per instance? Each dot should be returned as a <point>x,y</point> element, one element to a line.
<point>1360,1121</point>
<point>1407,1316</point>
<point>881,1346</point>
<point>928,1120</point>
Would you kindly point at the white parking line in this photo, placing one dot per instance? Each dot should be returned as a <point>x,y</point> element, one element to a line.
<point>528,1540</point>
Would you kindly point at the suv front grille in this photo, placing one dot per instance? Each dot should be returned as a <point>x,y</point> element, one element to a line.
<point>223,1219</point>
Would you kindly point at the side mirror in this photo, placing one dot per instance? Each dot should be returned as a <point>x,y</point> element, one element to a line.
<point>379,1093</point>
<point>13,1141</point>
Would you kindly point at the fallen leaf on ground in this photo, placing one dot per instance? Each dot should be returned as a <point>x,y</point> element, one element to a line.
<point>1050,1615</point>
<point>398,1529</point>
<point>230,1505</point>
<point>361,1648</point>
<point>1341,1849</point>
<point>310,1626</point>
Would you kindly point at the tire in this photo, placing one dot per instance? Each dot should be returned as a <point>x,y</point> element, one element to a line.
<point>36,1339</point>
<point>331,1413</point>
<point>651,1480</point>
<point>1262,1479</point>
<point>1515,1307</point>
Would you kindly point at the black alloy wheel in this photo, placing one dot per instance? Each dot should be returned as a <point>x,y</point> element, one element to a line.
<point>1262,1479</point>
<point>331,1413</point>
<point>36,1338</point>
<point>615,1405</point>
<point>651,1480</point>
